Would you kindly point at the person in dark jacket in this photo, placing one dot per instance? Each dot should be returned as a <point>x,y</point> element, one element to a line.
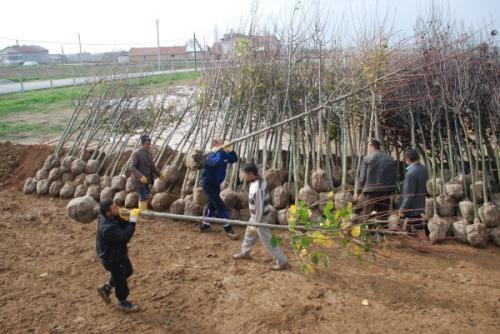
<point>144,171</point>
<point>113,235</point>
<point>377,180</point>
<point>412,197</point>
<point>213,175</point>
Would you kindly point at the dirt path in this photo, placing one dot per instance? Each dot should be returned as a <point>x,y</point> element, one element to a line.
<point>186,282</point>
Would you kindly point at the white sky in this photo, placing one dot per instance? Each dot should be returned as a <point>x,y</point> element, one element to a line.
<point>133,22</point>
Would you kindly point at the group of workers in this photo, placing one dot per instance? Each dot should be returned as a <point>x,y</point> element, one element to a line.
<point>377,181</point>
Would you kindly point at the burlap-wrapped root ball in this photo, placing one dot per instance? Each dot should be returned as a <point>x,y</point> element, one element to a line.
<point>83,209</point>
<point>94,191</point>
<point>455,190</point>
<point>92,179</point>
<point>489,214</point>
<point>92,167</point>
<point>231,198</point>
<point>477,234</point>
<point>336,176</point>
<point>342,198</point>
<point>308,195</point>
<point>446,205</point>
<point>320,182</point>
<point>494,235</point>
<point>438,229</point>
<point>439,188</point>
<point>459,229</point>
<point>195,160</point>
<point>280,197</point>
<point>66,163</point>
<point>243,197</point>
<point>51,162</point>
<point>55,188</point>
<point>78,166</point>
<point>158,187</point>
<point>162,201</point>
<point>55,174</point>
<point>172,175</point>
<point>29,186</point>
<point>191,179</point>
<point>119,198</point>
<point>68,190</point>
<point>178,206</point>
<point>81,190</point>
<point>105,181</point>
<point>107,192</point>
<point>42,187</point>
<point>132,200</point>
<point>460,178</point>
<point>351,177</point>
<point>199,197</point>
<point>130,185</point>
<point>478,189</point>
<point>283,216</point>
<point>79,179</point>
<point>273,178</point>
<point>192,208</point>
<point>67,177</point>
<point>41,174</point>
<point>118,182</point>
<point>273,216</point>
<point>429,208</point>
<point>393,222</point>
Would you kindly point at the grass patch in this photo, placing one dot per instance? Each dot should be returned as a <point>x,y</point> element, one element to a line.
<point>47,100</point>
<point>12,130</point>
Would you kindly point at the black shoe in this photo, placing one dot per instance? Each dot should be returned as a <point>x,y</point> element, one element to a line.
<point>105,291</point>
<point>205,227</point>
<point>127,306</point>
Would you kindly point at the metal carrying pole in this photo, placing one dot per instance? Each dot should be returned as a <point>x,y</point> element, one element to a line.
<point>164,215</point>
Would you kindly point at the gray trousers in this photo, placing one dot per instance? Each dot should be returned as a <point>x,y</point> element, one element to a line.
<point>264,233</point>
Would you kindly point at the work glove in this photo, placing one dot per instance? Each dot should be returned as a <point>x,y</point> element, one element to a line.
<point>144,180</point>
<point>134,215</point>
<point>124,214</point>
<point>401,214</point>
<point>228,148</point>
<point>162,177</point>
<point>216,149</point>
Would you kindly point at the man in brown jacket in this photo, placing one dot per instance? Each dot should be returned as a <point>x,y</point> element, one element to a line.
<point>144,171</point>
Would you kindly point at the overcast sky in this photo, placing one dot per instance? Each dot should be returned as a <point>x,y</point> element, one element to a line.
<point>132,23</point>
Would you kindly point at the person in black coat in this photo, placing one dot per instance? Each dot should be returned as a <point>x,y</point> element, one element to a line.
<point>412,197</point>
<point>113,235</point>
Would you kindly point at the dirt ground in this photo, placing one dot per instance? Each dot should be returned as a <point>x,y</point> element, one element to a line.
<point>186,282</point>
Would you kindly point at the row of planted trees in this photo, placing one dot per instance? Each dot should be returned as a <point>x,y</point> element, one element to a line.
<point>304,112</point>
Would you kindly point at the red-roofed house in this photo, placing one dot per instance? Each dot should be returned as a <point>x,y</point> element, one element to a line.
<point>149,55</point>
<point>18,54</point>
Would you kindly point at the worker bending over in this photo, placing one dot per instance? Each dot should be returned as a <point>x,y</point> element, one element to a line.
<point>259,201</point>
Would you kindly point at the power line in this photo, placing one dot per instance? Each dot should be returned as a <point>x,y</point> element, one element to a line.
<point>90,44</point>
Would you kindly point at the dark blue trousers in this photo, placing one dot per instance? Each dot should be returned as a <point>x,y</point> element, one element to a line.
<point>215,205</point>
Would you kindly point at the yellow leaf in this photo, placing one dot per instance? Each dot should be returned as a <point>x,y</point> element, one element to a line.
<point>291,220</point>
<point>349,206</point>
<point>293,209</point>
<point>356,231</point>
<point>322,240</point>
<point>330,195</point>
<point>356,250</point>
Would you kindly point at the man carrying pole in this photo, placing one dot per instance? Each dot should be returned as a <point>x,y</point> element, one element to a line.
<point>259,201</point>
<point>144,171</point>
<point>213,175</point>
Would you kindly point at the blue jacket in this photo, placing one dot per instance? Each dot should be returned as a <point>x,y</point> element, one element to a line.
<point>216,165</point>
<point>412,198</point>
<point>113,234</point>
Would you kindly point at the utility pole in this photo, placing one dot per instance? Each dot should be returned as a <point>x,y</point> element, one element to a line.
<point>194,44</point>
<point>80,44</point>
<point>158,43</point>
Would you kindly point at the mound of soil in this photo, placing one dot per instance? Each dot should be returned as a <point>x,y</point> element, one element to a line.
<point>18,162</point>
